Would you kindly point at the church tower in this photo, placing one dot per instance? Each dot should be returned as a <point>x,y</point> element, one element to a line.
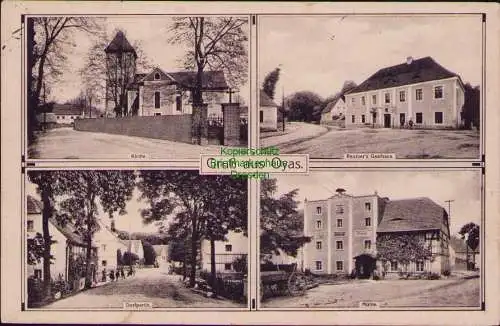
<point>120,72</point>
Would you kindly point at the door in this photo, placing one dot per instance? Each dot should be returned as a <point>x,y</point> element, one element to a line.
<point>402,119</point>
<point>387,120</point>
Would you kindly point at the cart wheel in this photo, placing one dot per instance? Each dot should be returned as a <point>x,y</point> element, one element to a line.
<point>296,284</point>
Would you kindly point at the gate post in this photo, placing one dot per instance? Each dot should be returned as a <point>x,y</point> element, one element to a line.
<point>199,125</point>
<point>231,116</point>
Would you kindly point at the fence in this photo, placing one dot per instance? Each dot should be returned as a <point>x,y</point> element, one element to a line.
<point>167,127</point>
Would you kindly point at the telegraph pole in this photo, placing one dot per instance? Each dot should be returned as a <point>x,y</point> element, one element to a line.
<point>449,206</point>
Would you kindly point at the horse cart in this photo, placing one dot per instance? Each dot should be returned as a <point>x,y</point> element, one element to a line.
<point>282,282</point>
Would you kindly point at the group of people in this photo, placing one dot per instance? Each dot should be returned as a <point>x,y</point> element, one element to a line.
<point>115,275</point>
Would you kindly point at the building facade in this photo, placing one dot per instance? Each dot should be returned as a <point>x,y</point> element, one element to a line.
<point>419,93</point>
<point>344,231</point>
<point>156,92</point>
<point>226,252</point>
<point>334,110</point>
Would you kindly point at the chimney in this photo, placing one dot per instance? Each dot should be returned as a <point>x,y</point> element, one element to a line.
<point>409,60</point>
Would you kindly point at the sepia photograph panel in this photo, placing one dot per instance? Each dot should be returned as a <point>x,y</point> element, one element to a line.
<point>127,87</point>
<point>375,239</point>
<point>382,83</point>
<point>135,240</point>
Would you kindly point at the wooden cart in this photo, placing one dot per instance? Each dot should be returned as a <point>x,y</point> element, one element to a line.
<point>282,282</point>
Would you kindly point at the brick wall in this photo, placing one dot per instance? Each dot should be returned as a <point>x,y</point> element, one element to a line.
<point>168,127</point>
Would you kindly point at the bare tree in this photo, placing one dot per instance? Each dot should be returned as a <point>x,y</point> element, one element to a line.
<point>216,43</point>
<point>49,39</point>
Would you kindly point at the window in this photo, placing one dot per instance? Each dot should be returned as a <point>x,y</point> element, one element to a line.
<point>368,207</point>
<point>339,264</point>
<point>402,96</point>
<point>363,118</point>
<point>340,222</point>
<point>58,117</point>
<point>157,76</point>
<point>104,263</point>
<point>363,100</point>
<point>157,114</point>
<point>438,117</point>
<point>339,245</point>
<point>227,267</point>
<point>229,248</point>
<point>319,265</point>
<point>178,102</point>
<point>38,273</point>
<point>339,209</point>
<point>419,117</point>
<point>30,226</point>
<point>319,245</point>
<point>368,244</point>
<point>419,95</point>
<point>368,221</point>
<point>394,265</point>
<point>353,100</point>
<point>157,100</point>
<point>353,119</point>
<point>318,210</point>
<point>438,92</point>
<point>420,266</point>
<point>261,116</point>
<point>387,98</point>
<point>374,99</point>
<point>319,224</point>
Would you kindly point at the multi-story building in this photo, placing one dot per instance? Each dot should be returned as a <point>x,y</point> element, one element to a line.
<point>420,93</point>
<point>344,230</point>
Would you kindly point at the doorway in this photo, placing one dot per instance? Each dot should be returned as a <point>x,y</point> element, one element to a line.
<point>365,265</point>
<point>387,120</point>
<point>402,119</point>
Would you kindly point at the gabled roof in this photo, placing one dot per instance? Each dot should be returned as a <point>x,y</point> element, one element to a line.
<point>419,70</point>
<point>411,215</point>
<point>332,104</point>
<point>120,44</point>
<point>211,80</point>
<point>67,109</point>
<point>34,206</point>
<point>265,100</point>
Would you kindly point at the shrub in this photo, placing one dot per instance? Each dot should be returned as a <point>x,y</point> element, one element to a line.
<point>240,264</point>
<point>35,290</point>
<point>60,285</point>
<point>446,272</point>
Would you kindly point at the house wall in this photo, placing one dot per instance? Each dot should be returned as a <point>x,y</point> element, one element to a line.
<point>168,93</point>
<point>175,128</point>
<point>339,108</point>
<point>311,229</point>
<point>269,117</point>
<point>107,246</point>
<point>224,258</point>
<point>57,249</point>
<point>450,105</point>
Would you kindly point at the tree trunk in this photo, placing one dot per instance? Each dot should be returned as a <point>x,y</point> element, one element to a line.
<point>88,257</point>
<point>30,30</point>
<point>213,271</point>
<point>47,208</point>
<point>194,253</point>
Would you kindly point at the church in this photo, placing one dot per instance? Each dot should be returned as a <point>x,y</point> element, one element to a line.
<point>157,92</point>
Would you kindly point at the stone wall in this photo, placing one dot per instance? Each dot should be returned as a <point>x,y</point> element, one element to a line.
<point>167,127</point>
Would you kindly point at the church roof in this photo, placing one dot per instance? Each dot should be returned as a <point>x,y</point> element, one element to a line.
<point>120,44</point>
<point>211,80</point>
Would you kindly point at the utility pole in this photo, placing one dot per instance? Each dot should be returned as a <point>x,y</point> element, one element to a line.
<point>283,106</point>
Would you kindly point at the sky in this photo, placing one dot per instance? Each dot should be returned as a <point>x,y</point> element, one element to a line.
<point>151,31</point>
<point>461,186</point>
<point>132,221</point>
<point>320,53</point>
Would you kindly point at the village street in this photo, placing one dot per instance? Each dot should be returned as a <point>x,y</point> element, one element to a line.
<point>153,286</point>
<point>387,293</point>
<point>316,141</point>
<point>66,143</point>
